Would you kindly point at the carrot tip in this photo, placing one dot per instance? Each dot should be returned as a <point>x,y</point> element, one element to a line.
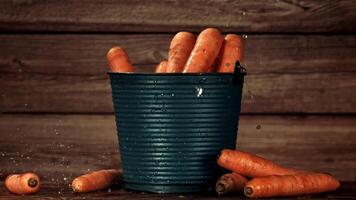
<point>32,182</point>
<point>248,191</point>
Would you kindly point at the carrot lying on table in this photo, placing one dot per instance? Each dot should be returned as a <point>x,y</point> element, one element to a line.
<point>205,51</point>
<point>161,67</point>
<point>119,61</point>
<point>22,184</point>
<point>179,51</point>
<point>96,180</point>
<point>290,185</point>
<point>231,51</point>
<point>251,165</point>
<point>230,183</point>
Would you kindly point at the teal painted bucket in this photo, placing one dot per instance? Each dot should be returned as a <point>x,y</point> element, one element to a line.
<point>172,126</point>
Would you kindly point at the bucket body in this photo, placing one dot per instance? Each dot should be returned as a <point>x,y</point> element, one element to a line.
<point>172,126</point>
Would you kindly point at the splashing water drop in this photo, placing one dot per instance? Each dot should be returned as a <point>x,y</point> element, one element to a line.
<point>199,91</point>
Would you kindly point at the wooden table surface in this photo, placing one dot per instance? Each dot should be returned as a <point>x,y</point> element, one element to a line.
<point>52,191</point>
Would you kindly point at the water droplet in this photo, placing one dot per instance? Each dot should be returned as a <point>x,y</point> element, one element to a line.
<point>26,105</point>
<point>172,94</point>
<point>243,13</point>
<point>244,36</point>
<point>199,91</point>
<point>109,190</point>
<point>65,179</point>
<point>202,80</point>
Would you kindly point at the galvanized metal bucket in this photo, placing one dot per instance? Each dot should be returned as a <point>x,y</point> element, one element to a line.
<point>172,126</point>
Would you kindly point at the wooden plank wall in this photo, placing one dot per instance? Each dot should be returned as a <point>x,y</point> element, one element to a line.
<point>56,114</point>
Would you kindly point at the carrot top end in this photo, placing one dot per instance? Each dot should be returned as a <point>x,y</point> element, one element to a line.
<point>248,191</point>
<point>32,182</point>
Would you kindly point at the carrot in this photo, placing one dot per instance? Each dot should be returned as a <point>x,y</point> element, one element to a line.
<point>214,66</point>
<point>205,51</point>
<point>26,183</point>
<point>161,67</point>
<point>119,61</point>
<point>231,51</point>
<point>290,185</point>
<point>96,180</point>
<point>250,165</point>
<point>179,51</point>
<point>230,183</point>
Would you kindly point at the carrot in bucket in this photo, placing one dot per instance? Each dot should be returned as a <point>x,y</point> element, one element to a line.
<point>205,51</point>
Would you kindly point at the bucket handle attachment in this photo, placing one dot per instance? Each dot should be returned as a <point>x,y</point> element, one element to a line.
<point>239,72</point>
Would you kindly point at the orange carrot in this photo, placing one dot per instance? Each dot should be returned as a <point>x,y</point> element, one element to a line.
<point>250,165</point>
<point>179,51</point>
<point>96,180</point>
<point>290,185</point>
<point>161,67</point>
<point>119,61</point>
<point>214,66</point>
<point>205,51</point>
<point>231,51</point>
<point>230,183</point>
<point>26,183</point>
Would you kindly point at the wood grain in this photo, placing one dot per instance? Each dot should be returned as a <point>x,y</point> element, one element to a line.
<point>60,147</point>
<point>51,191</point>
<point>67,73</point>
<point>271,16</point>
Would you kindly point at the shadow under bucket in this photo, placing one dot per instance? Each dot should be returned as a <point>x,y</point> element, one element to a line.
<point>172,126</point>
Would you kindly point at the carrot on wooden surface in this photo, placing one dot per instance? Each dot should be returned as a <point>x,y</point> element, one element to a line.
<point>161,67</point>
<point>96,180</point>
<point>22,184</point>
<point>179,51</point>
<point>230,183</point>
<point>231,51</point>
<point>290,185</point>
<point>119,61</point>
<point>205,51</point>
<point>251,165</point>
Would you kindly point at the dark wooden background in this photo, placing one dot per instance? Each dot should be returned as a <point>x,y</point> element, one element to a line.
<point>56,114</point>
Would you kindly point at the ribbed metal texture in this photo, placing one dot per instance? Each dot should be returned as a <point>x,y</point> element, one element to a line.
<point>172,126</point>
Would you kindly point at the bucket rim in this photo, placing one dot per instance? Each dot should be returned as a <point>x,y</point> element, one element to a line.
<point>239,70</point>
<point>242,71</point>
